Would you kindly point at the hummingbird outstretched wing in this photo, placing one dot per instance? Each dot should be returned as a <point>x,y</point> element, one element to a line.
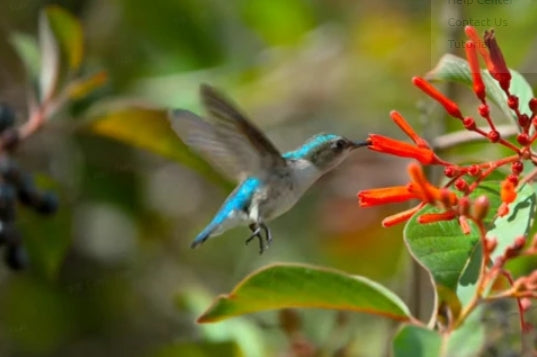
<point>228,139</point>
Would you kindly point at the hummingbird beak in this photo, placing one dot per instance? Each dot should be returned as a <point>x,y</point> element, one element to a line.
<point>359,144</point>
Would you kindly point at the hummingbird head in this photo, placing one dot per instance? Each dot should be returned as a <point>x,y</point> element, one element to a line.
<point>325,151</point>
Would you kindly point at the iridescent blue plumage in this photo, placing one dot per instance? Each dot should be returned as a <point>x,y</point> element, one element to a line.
<point>310,145</point>
<point>237,203</point>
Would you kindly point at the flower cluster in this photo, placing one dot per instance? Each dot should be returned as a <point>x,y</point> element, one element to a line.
<point>453,198</point>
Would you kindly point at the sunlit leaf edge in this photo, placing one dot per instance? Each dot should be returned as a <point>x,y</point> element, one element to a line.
<point>400,313</point>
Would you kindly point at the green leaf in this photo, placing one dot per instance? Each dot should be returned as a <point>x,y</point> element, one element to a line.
<point>505,229</point>
<point>441,247</point>
<point>47,238</point>
<point>467,340</point>
<point>50,59</point>
<point>191,349</point>
<point>149,129</point>
<point>294,285</point>
<point>516,223</point>
<point>451,68</point>
<point>28,50</point>
<point>416,341</point>
<point>68,34</point>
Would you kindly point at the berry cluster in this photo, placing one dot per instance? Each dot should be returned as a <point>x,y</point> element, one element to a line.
<point>17,185</point>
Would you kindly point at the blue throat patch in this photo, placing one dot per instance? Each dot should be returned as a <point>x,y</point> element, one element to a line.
<point>310,145</point>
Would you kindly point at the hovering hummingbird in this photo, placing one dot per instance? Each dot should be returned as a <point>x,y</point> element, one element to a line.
<point>269,183</point>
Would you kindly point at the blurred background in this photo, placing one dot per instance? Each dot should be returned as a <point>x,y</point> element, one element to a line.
<point>112,274</point>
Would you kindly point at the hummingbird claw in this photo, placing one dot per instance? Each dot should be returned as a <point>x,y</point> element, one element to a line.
<point>256,233</point>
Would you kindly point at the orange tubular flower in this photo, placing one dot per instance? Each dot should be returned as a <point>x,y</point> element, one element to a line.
<point>450,106</point>
<point>388,145</point>
<point>401,216</point>
<point>409,131</point>
<point>379,196</point>
<point>481,47</point>
<point>436,217</point>
<point>471,55</point>
<point>426,191</point>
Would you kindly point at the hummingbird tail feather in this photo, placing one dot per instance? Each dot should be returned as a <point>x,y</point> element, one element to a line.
<point>203,236</point>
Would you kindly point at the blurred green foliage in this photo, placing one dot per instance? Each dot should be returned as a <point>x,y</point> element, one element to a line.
<point>114,274</point>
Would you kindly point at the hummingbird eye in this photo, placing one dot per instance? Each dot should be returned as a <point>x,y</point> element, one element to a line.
<point>339,145</point>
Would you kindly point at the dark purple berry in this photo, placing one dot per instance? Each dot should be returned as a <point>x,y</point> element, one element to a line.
<point>16,257</point>
<point>9,234</point>
<point>7,116</point>
<point>7,202</point>
<point>48,203</point>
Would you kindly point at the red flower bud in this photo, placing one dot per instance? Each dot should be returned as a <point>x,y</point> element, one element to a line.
<point>533,105</point>
<point>499,69</point>
<point>461,185</point>
<point>464,206</point>
<point>474,170</point>
<point>451,171</point>
<point>480,208</point>
<point>469,123</point>
<point>493,136</point>
<point>523,139</point>
<point>517,167</point>
<point>523,120</point>
<point>484,110</point>
<point>512,101</point>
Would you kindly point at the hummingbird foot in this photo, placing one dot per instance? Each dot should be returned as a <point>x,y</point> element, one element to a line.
<point>256,233</point>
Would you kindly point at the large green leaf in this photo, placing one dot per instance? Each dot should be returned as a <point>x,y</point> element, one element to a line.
<point>455,69</point>
<point>441,247</point>
<point>295,285</point>
<point>466,341</point>
<point>149,129</point>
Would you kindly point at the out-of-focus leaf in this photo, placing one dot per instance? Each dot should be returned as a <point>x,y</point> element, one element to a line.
<point>47,238</point>
<point>50,59</point>
<point>416,342</point>
<point>83,87</point>
<point>442,248</point>
<point>246,333</point>
<point>191,349</point>
<point>278,21</point>
<point>466,341</point>
<point>28,50</point>
<point>455,69</point>
<point>150,130</point>
<point>294,285</point>
<point>516,223</point>
<point>68,33</point>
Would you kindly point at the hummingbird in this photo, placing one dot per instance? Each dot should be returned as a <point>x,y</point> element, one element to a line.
<point>269,183</point>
